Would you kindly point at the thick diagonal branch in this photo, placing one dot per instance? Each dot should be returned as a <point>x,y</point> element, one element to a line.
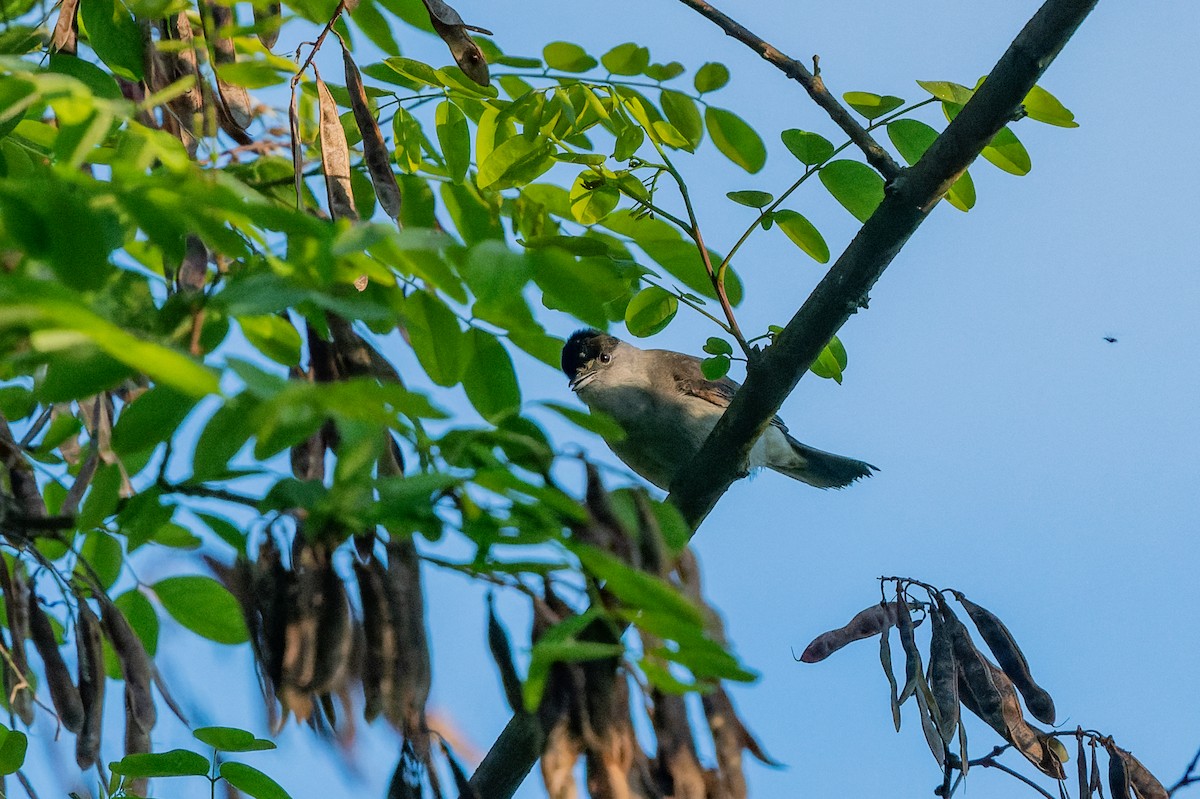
<point>876,155</point>
<point>773,375</point>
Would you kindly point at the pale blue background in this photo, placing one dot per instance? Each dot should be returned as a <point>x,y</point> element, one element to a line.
<point>1046,473</point>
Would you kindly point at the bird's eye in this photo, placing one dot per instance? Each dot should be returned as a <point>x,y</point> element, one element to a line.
<point>605,357</point>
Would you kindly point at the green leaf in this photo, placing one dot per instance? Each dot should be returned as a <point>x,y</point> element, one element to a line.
<point>751,199</point>
<point>114,35</point>
<point>650,311</point>
<point>436,338</point>
<point>252,782</point>
<point>831,362</point>
<point>735,139</point>
<point>103,553</point>
<point>626,59</point>
<point>809,148</point>
<point>515,161</point>
<point>716,367</point>
<point>231,739</point>
<point>567,57</point>
<point>711,77</point>
<point>803,234</point>
<point>454,138</point>
<point>912,138</point>
<point>1042,106</point>
<point>273,336</point>
<point>718,346</point>
<point>173,763</point>
<point>947,91</point>
<point>406,135</point>
<point>141,617</point>
<point>150,419</point>
<point>1006,152</point>
<point>661,72</point>
<point>599,423</point>
<point>13,744</point>
<point>590,205</point>
<point>683,115</point>
<point>414,70</point>
<point>872,106</point>
<point>489,379</point>
<point>204,606</point>
<point>855,185</point>
<point>637,589</point>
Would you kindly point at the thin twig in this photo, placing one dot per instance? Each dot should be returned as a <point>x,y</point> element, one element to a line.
<point>813,84</point>
<point>987,762</point>
<point>1190,775</point>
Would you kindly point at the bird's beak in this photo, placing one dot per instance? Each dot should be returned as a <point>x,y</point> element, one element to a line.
<point>581,379</point>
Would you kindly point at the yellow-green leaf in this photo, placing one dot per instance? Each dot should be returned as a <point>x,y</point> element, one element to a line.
<point>735,139</point>
<point>803,234</point>
<point>855,185</point>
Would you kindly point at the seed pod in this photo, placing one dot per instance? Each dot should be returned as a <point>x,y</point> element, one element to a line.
<point>929,727</point>
<point>1118,774</point>
<point>334,634</point>
<point>193,269</point>
<point>502,653</point>
<point>558,760</point>
<point>16,600</point>
<point>187,110</point>
<point>412,667</point>
<point>652,548</point>
<point>235,99</point>
<point>450,26</point>
<point>885,660</point>
<point>267,20</point>
<point>335,157</point>
<point>872,621</point>
<point>1011,659</point>
<point>91,685</point>
<point>378,671</point>
<point>1081,768</point>
<point>912,656</point>
<point>305,597</point>
<point>1145,785</point>
<point>1096,784</point>
<point>375,152</point>
<point>66,29</point>
<point>271,586</point>
<point>943,673</point>
<point>63,693</point>
<point>976,689</point>
<point>135,664</point>
<point>137,742</point>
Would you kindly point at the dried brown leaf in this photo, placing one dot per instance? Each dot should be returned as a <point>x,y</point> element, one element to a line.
<point>90,658</point>
<point>375,152</point>
<point>66,29</point>
<point>1010,658</point>
<point>335,157</point>
<point>63,693</point>
<point>866,623</point>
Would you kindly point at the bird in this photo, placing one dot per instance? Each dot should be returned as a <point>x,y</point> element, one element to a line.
<point>667,408</point>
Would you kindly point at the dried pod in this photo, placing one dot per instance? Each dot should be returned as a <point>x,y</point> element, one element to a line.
<point>678,767</point>
<point>912,656</point>
<point>943,673</point>
<point>193,269</point>
<point>335,157</point>
<point>188,111</point>
<point>929,718</point>
<point>652,548</point>
<point>872,621</point>
<point>561,753</point>
<point>16,666</point>
<point>135,664</point>
<point>885,660</point>
<point>450,26</point>
<point>1118,774</point>
<point>271,586</point>
<point>268,17</point>
<point>413,673</point>
<point>334,634</point>
<point>502,653</point>
<point>375,152</point>
<point>1011,659</point>
<point>378,675</point>
<point>66,29</point>
<point>63,693</point>
<point>235,99</point>
<point>976,689</point>
<point>89,649</point>
<point>1145,785</point>
<point>137,742</point>
<point>305,598</point>
<point>1081,767</point>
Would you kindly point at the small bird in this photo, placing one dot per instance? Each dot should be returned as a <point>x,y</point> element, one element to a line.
<point>667,408</point>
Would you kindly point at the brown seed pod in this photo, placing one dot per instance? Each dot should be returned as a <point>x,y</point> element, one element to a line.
<point>501,651</point>
<point>943,673</point>
<point>1011,659</point>
<point>912,656</point>
<point>676,762</point>
<point>267,20</point>
<point>929,727</point>
<point>1081,767</point>
<point>866,623</point>
<point>135,664</point>
<point>976,689</point>
<point>235,99</point>
<point>378,671</point>
<point>450,26</point>
<point>137,742</point>
<point>413,673</point>
<point>90,653</point>
<point>271,588</point>
<point>334,634</point>
<point>63,693</point>
<point>66,29</point>
<point>305,598</point>
<point>335,157</point>
<point>16,600</point>
<point>375,152</point>
<point>1145,785</point>
<point>187,111</point>
<point>1118,775</point>
<point>193,269</point>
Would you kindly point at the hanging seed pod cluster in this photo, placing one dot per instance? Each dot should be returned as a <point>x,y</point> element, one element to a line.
<point>959,675</point>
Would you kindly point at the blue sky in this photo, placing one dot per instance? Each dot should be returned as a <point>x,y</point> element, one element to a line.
<point>1024,460</point>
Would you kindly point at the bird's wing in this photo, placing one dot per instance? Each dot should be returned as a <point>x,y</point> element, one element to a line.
<point>690,381</point>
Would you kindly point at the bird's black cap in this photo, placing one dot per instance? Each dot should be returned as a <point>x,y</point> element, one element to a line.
<point>581,347</point>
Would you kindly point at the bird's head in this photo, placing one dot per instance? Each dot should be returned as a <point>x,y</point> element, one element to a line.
<point>586,354</point>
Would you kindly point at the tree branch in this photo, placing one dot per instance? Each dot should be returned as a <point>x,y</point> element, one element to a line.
<point>813,84</point>
<point>773,374</point>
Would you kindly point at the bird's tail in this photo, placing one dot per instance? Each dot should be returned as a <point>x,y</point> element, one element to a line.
<point>822,469</point>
